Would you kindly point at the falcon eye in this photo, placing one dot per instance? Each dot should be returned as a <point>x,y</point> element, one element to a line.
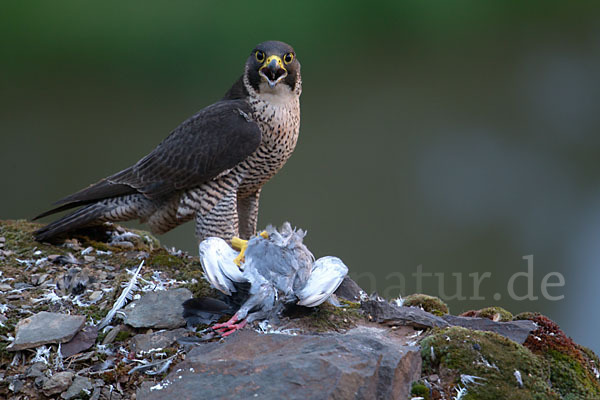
<point>260,56</point>
<point>288,58</point>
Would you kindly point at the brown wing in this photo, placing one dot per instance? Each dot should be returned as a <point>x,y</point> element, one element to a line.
<point>215,139</point>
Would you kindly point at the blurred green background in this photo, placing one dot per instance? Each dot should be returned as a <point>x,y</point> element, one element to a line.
<point>455,136</point>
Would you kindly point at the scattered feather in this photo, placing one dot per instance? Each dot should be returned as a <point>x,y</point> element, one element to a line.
<point>265,327</point>
<point>398,302</point>
<point>518,377</point>
<point>460,393</point>
<point>125,295</point>
<point>58,360</point>
<point>42,354</point>
<point>470,379</point>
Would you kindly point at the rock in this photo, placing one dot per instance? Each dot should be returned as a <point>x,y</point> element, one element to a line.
<point>349,290</point>
<point>15,384</point>
<point>157,340</point>
<point>111,336</point>
<point>364,363</point>
<point>516,331</point>
<point>80,384</point>
<point>58,383</point>
<point>83,340</point>
<point>162,309</point>
<point>95,296</point>
<point>36,370</point>
<point>45,327</point>
<point>384,312</point>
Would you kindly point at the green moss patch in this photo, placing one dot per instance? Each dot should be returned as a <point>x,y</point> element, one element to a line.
<point>456,351</point>
<point>428,303</point>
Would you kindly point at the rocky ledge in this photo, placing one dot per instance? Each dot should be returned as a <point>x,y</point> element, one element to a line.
<point>53,344</point>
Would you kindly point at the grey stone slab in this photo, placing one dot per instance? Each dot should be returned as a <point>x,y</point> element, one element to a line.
<point>161,309</point>
<point>157,340</point>
<point>514,330</point>
<point>45,327</point>
<point>386,313</point>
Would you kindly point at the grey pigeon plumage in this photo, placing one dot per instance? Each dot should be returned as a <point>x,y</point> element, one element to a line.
<point>279,270</point>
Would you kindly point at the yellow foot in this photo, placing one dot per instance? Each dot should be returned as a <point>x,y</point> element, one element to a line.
<point>242,245</point>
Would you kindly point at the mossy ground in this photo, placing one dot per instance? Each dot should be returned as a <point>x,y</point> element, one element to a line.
<point>494,313</point>
<point>428,303</point>
<point>489,356</point>
<point>572,367</point>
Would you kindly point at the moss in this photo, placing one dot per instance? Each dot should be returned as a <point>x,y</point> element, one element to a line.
<point>162,258</point>
<point>489,356</point>
<point>420,390</point>
<point>123,335</point>
<point>493,313</point>
<point>428,303</point>
<point>327,317</point>
<point>572,367</point>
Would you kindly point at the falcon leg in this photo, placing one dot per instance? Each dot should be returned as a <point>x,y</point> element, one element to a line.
<point>242,245</point>
<point>248,214</point>
<point>227,328</point>
<point>221,221</point>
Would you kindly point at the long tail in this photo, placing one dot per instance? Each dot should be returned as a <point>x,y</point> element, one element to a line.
<point>89,215</point>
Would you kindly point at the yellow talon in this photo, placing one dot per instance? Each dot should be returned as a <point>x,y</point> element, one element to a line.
<point>242,245</point>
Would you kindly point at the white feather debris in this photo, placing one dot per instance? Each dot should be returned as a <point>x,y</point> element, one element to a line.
<point>265,327</point>
<point>42,354</point>
<point>398,302</point>
<point>486,363</point>
<point>87,251</point>
<point>51,297</point>
<point>460,393</point>
<point>517,374</point>
<point>471,379</point>
<point>160,385</point>
<point>125,295</point>
<point>432,353</point>
<point>157,283</point>
<point>124,236</point>
<point>416,334</point>
<point>58,360</point>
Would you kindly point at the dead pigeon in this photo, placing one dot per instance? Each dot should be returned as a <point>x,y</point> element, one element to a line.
<point>278,269</point>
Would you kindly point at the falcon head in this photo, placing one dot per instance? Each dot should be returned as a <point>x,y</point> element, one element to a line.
<point>273,65</point>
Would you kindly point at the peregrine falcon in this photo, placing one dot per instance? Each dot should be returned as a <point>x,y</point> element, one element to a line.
<point>211,167</point>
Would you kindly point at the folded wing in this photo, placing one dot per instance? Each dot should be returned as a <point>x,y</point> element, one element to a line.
<point>326,275</point>
<point>216,258</point>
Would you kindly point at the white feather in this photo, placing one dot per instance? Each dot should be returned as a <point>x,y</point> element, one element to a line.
<point>326,275</point>
<point>216,257</point>
<point>125,295</point>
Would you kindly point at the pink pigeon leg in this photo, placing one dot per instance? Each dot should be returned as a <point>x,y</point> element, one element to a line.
<point>227,328</point>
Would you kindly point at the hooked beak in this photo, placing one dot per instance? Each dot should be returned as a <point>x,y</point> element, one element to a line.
<point>273,71</point>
